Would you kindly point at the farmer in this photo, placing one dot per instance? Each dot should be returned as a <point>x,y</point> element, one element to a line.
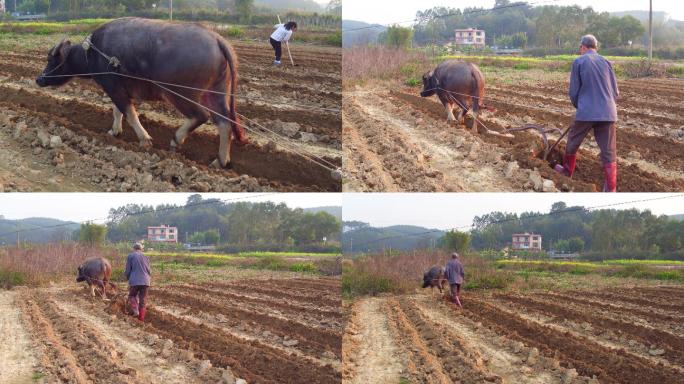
<point>282,34</point>
<point>139,277</point>
<point>455,275</point>
<point>593,92</point>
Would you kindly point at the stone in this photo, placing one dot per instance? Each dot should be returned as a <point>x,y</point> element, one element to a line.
<point>533,356</point>
<point>227,377</point>
<point>308,137</point>
<point>204,367</point>
<point>37,150</point>
<point>290,129</point>
<point>656,352</point>
<point>19,129</point>
<point>55,141</point>
<point>518,347</point>
<point>634,155</point>
<point>511,168</point>
<point>537,181</point>
<point>43,138</point>
<point>290,343</point>
<point>548,186</point>
<point>240,381</point>
<point>569,376</point>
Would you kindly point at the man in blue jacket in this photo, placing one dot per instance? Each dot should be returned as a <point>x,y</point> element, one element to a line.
<point>456,276</point>
<point>594,93</point>
<point>139,277</point>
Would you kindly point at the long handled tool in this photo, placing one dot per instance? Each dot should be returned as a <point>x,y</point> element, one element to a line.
<point>287,45</point>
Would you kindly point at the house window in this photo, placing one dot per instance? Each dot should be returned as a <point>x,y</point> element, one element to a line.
<point>171,237</point>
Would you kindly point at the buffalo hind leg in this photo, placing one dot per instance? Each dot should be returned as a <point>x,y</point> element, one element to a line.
<point>225,138</point>
<point>182,133</point>
<point>117,126</point>
<point>218,104</point>
<point>133,121</point>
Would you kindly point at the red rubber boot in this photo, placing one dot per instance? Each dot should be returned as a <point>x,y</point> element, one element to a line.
<point>610,172</point>
<point>568,167</point>
<point>141,315</point>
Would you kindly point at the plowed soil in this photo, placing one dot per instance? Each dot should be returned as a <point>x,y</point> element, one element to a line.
<point>191,334</point>
<point>290,111</point>
<point>561,337</point>
<point>395,140</point>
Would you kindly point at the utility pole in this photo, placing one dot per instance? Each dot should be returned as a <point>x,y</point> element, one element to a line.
<point>170,9</point>
<point>650,30</point>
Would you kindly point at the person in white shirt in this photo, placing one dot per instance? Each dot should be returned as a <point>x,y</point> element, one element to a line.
<point>282,33</point>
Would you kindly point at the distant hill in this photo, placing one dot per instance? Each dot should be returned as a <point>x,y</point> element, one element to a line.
<point>33,230</point>
<point>333,210</point>
<point>291,5</point>
<point>361,36</point>
<point>642,15</point>
<point>677,217</point>
<point>361,238</point>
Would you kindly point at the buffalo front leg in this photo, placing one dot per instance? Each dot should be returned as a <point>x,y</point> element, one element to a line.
<point>450,112</point>
<point>133,121</point>
<point>117,126</point>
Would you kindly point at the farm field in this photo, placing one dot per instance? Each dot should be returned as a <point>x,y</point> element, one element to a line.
<point>613,334</point>
<point>279,327</point>
<point>300,104</point>
<point>397,141</point>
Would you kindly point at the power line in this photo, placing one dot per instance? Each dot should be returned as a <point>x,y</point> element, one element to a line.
<point>562,211</point>
<point>455,13</point>
<point>143,212</point>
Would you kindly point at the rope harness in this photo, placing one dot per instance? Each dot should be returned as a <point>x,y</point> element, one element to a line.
<point>87,44</point>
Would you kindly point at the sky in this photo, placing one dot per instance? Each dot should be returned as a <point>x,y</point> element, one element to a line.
<point>79,207</point>
<point>454,210</point>
<point>392,11</point>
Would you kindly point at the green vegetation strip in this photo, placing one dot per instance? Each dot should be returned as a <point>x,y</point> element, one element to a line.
<point>154,254</point>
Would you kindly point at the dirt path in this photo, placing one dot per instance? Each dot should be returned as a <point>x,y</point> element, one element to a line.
<point>17,359</point>
<point>370,346</point>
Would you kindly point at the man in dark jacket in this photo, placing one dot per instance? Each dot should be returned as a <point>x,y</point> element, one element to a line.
<point>594,93</point>
<point>456,276</point>
<point>139,278</point>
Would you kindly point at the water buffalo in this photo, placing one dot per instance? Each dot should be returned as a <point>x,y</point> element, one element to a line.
<point>183,54</point>
<point>96,272</point>
<point>434,278</point>
<point>457,84</point>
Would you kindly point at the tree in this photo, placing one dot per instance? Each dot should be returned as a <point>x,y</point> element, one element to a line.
<point>92,234</point>
<point>455,241</point>
<point>211,237</point>
<point>398,37</point>
<point>244,8</point>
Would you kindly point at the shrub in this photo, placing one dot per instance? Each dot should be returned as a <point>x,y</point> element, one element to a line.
<point>9,279</point>
<point>334,39</point>
<point>303,267</point>
<point>413,82</point>
<point>233,31</point>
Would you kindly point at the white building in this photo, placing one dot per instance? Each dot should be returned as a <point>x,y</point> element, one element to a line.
<point>526,242</point>
<point>162,234</point>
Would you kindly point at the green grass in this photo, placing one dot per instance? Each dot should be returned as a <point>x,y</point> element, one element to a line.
<point>9,279</point>
<point>623,268</point>
<point>37,376</point>
<point>643,262</point>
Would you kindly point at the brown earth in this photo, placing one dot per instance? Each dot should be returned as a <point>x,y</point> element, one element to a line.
<point>62,334</point>
<point>554,337</point>
<point>305,99</point>
<point>395,140</point>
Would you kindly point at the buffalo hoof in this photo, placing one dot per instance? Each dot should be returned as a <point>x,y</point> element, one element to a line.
<point>146,143</point>
<point>336,174</point>
<point>113,133</point>
<point>173,146</point>
<point>217,164</point>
